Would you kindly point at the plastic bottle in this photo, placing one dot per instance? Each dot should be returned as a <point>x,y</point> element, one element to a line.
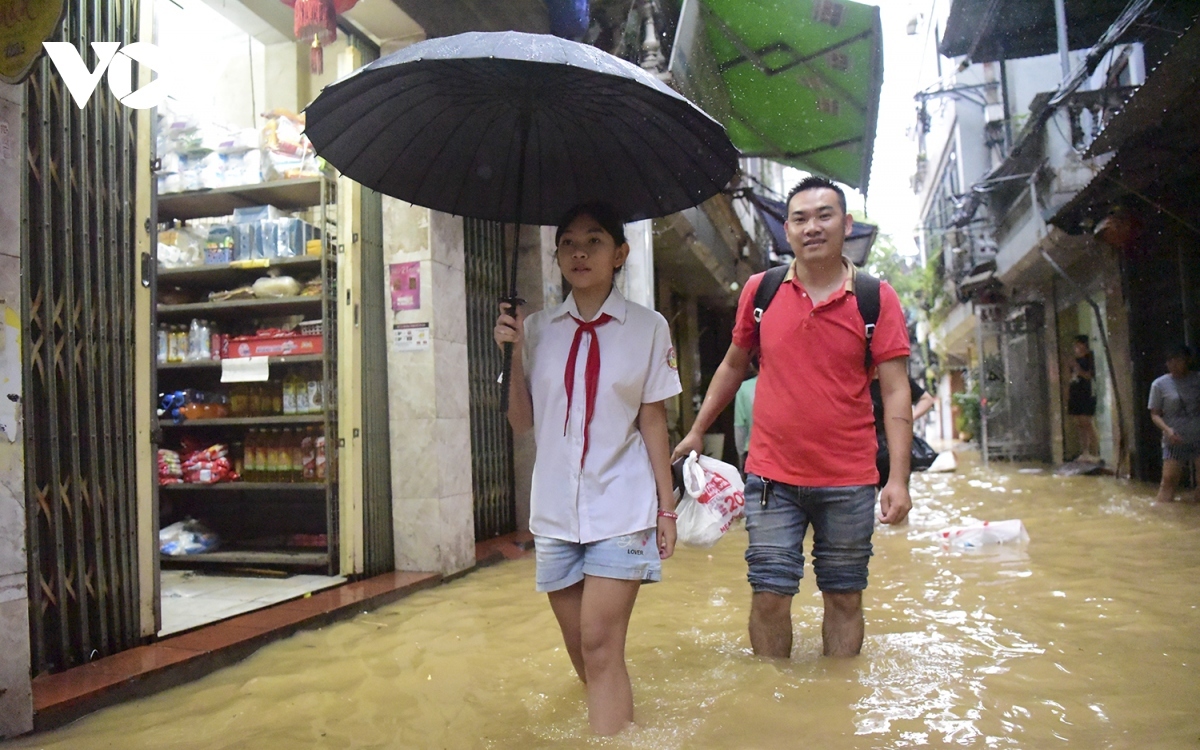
<point>316,393</point>
<point>300,384</point>
<point>319,444</point>
<point>295,445</point>
<point>250,462</point>
<point>272,468</point>
<point>308,456</point>
<point>289,394</point>
<point>275,391</point>
<point>283,466</point>
<point>163,347</point>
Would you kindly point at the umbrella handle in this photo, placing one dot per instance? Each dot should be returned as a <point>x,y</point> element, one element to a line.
<point>509,306</point>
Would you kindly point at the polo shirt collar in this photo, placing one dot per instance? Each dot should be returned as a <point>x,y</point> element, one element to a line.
<point>615,306</point>
<point>849,289</point>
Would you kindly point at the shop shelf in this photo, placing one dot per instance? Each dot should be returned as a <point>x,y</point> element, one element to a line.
<point>227,275</point>
<point>215,364</point>
<point>241,308</point>
<point>288,195</point>
<point>246,487</point>
<point>282,419</point>
<point>259,558</point>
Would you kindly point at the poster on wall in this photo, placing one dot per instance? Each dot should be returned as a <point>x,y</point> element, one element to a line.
<point>411,337</point>
<point>405,283</point>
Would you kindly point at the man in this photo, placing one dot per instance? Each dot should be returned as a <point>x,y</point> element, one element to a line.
<point>743,412</point>
<point>812,459</point>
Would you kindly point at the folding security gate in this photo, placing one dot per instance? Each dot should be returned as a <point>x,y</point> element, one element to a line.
<point>78,276</point>
<point>491,437</point>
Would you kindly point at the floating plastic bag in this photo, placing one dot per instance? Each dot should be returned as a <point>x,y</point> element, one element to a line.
<point>988,532</point>
<point>945,461</point>
<point>713,498</point>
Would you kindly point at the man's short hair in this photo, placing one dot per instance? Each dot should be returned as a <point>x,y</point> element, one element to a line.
<point>815,182</point>
<point>1181,351</point>
<point>1082,339</point>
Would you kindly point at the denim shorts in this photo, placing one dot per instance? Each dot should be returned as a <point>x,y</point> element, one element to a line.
<point>1186,451</point>
<point>633,557</point>
<point>842,518</point>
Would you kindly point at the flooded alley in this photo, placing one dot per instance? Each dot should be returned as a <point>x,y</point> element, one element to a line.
<point>1084,637</point>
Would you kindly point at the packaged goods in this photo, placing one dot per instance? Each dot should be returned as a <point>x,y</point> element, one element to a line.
<point>308,456</point>
<point>219,245</point>
<point>163,349</point>
<point>187,537</point>
<point>319,449</point>
<point>255,214</point>
<point>276,286</point>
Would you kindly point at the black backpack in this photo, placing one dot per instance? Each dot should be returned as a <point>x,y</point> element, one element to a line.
<point>866,294</point>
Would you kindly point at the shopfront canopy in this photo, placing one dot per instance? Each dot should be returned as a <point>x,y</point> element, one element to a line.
<point>795,81</point>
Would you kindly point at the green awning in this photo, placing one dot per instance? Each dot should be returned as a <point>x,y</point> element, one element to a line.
<point>796,81</point>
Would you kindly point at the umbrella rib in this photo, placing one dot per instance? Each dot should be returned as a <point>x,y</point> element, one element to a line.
<point>499,108</point>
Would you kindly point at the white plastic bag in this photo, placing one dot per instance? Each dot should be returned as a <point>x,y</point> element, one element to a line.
<point>713,498</point>
<point>980,534</point>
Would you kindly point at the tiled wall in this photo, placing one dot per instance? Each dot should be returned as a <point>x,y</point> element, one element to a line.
<point>16,701</point>
<point>428,394</point>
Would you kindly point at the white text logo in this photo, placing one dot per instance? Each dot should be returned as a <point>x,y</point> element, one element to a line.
<point>118,61</point>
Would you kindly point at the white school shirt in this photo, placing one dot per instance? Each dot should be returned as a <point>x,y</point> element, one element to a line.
<point>614,492</point>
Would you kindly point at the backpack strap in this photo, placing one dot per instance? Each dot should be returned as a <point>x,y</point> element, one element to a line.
<point>866,293</point>
<point>767,288</point>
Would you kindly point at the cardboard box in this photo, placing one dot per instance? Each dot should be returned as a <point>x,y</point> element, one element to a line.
<point>272,346</point>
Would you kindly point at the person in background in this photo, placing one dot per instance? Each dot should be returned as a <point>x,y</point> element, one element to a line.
<point>591,377</point>
<point>743,414</point>
<point>922,402</point>
<point>1081,399</point>
<point>1175,409</point>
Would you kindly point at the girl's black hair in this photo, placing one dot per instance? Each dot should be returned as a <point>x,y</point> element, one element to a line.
<point>1082,339</point>
<point>604,214</point>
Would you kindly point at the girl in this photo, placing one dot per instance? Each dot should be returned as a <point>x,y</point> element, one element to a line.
<point>590,377</point>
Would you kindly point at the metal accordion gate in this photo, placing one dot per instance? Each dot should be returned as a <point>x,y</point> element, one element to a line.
<point>491,437</point>
<point>78,276</point>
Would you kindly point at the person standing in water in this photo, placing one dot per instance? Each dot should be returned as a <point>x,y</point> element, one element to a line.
<point>812,457</point>
<point>1175,409</point>
<point>590,378</point>
<point>1081,398</point>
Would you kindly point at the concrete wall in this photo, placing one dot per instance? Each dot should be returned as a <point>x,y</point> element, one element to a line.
<point>16,699</point>
<point>428,397</point>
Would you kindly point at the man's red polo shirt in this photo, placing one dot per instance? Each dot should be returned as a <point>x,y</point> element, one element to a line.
<point>813,425</point>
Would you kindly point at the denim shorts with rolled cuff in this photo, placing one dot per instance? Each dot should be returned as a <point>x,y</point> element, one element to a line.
<point>1183,452</point>
<point>632,557</point>
<point>777,518</point>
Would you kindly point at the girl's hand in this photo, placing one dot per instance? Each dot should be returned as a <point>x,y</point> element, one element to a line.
<point>666,537</point>
<point>1173,437</point>
<point>510,328</point>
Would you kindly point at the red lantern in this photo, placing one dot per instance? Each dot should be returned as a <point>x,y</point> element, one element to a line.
<point>318,19</point>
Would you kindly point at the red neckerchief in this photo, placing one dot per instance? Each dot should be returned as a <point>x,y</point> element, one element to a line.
<point>591,375</point>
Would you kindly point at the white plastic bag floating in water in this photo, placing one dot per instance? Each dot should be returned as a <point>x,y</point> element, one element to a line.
<point>945,461</point>
<point>713,498</point>
<point>988,532</point>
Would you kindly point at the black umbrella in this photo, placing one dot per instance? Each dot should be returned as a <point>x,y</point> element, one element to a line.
<point>513,127</point>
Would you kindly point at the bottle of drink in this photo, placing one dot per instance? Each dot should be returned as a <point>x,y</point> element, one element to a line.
<point>275,389</point>
<point>289,394</point>
<point>300,384</point>
<point>272,468</point>
<point>253,443</point>
<point>283,467</point>
<point>319,444</point>
<point>296,446</point>
<point>163,347</point>
<point>316,394</point>
<point>308,456</point>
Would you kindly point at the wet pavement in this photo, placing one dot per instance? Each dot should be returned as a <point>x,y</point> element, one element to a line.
<point>1084,637</point>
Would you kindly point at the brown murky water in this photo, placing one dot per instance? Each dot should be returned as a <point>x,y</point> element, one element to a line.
<point>1087,638</point>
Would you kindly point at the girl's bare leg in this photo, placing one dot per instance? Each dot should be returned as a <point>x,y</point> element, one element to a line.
<point>566,604</point>
<point>1172,470</point>
<point>604,622</point>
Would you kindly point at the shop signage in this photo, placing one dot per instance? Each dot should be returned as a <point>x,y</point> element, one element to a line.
<point>118,62</point>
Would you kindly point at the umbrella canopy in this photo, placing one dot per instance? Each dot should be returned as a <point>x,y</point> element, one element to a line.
<point>514,127</point>
<point>795,81</point>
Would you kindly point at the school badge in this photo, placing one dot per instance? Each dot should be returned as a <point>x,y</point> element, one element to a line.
<point>24,25</point>
<point>672,361</point>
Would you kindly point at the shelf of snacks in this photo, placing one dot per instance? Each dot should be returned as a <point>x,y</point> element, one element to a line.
<point>245,270</point>
<point>288,195</point>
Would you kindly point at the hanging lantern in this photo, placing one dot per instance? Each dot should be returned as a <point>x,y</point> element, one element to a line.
<point>317,20</point>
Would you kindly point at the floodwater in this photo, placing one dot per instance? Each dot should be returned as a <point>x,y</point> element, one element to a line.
<point>1086,637</point>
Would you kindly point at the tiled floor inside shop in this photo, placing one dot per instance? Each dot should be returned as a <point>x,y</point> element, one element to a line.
<point>193,598</point>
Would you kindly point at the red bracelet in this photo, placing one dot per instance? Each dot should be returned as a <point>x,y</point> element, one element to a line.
<point>667,514</point>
